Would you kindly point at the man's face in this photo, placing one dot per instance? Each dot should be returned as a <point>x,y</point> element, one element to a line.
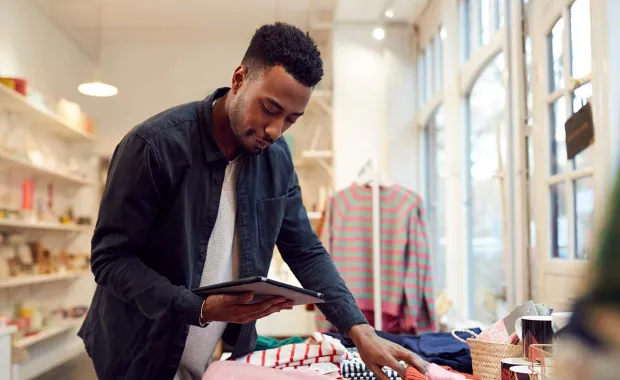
<point>265,106</point>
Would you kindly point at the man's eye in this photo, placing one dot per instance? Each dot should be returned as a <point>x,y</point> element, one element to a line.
<point>267,111</point>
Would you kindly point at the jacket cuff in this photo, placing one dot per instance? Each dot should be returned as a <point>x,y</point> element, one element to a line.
<point>347,316</point>
<point>188,306</point>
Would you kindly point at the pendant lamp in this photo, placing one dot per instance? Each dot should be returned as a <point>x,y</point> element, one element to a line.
<point>97,87</point>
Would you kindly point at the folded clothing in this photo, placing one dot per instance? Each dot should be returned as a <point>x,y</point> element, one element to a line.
<point>266,343</point>
<point>438,348</point>
<point>356,369</point>
<point>318,348</point>
<point>436,372</point>
<point>233,370</point>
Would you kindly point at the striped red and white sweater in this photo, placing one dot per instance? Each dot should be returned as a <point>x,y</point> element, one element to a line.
<point>406,283</point>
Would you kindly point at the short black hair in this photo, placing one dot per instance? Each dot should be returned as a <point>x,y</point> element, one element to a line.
<point>285,45</point>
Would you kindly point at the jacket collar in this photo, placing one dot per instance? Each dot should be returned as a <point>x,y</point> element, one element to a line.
<point>212,151</point>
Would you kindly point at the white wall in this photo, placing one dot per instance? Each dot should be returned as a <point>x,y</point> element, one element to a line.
<point>359,101</point>
<point>152,78</point>
<point>32,47</point>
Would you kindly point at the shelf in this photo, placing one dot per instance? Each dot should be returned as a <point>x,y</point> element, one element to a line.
<point>48,333</point>
<point>43,226</point>
<point>14,282</point>
<point>9,159</point>
<point>13,101</point>
<point>317,154</point>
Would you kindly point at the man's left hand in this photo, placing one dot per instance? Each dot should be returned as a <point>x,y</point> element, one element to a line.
<point>377,353</point>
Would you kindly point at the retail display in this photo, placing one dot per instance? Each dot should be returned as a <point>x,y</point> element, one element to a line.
<point>43,211</point>
<point>318,348</point>
<point>19,258</point>
<point>439,348</point>
<point>405,262</point>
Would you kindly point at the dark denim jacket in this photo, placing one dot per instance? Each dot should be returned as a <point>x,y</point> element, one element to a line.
<point>156,216</point>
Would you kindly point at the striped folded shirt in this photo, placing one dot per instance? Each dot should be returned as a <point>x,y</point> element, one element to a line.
<point>318,348</point>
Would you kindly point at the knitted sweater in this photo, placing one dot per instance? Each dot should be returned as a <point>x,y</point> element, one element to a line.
<point>406,284</point>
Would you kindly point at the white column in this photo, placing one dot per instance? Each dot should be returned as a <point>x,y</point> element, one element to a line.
<point>358,100</point>
<point>518,254</point>
<point>400,143</point>
<point>456,245</point>
<point>606,104</point>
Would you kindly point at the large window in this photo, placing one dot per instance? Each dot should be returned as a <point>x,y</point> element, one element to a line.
<point>481,19</point>
<point>430,69</point>
<point>570,181</point>
<point>487,156</point>
<point>434,133</point>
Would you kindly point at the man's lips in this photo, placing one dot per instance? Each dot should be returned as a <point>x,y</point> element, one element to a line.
<point>262,143</point>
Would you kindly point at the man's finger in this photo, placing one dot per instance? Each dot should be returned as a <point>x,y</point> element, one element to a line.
<point>396,366</point>
<point>259,307</point>
<point>238,298</point>
<point>264,313</point>
<point>378,372</point>
<point>413,360</point>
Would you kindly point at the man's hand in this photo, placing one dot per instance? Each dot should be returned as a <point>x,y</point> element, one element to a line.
<point>377,353</point>
<point>237,309</point>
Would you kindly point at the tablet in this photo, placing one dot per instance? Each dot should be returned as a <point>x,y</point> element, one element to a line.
<point>263,288</point>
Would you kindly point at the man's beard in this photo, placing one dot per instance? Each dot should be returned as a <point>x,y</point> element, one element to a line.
<point>235,121</point>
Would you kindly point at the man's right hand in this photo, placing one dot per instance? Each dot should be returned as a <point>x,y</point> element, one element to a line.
<point>236,308</point>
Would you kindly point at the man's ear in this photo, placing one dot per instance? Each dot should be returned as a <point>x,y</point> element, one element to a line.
<point>240,75</point>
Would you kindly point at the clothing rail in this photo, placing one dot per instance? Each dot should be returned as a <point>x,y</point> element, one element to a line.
<point>376,239</point>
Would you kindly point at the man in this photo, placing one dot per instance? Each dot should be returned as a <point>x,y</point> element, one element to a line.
<point>200,194</point>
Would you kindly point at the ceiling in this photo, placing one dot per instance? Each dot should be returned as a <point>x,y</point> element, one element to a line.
<point>373,10</point>
<point>174,21</point>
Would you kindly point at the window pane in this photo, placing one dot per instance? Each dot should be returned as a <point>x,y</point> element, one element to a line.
<point>580,97</point>
<point>584,207</point>
<point>436,196</point>
<point>438,63</point>
<point>465,38</point>
<point>486,110</point>
<point>421,79</point>
<point>528,75</point>
<point>559,222</point>
<point>429,80</point>
<point>555,55</point>
<point>557,133</point>
<point>485,18</point>
<point>500,13</point>
<point>581,45</point>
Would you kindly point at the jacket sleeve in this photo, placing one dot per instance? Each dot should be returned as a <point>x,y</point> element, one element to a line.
<point>129,206</point>
<point>305,255</point>
<point>419,283</point>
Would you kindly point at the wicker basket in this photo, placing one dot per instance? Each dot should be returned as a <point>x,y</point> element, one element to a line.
<point>486,357</point>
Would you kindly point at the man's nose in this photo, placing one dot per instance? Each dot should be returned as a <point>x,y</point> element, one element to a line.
<point>274,130</point>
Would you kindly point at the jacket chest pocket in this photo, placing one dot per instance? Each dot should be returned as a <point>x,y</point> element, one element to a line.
<point>270,214</point>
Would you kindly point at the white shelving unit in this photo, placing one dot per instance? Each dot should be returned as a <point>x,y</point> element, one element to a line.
<point>17,103</point>
<point>48,333</point>
<point>58,343</point>
<point>18,281</point>
<point>7,159</point>
<point>6,224</point>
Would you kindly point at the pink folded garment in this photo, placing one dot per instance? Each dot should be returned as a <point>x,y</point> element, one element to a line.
<point>233,370</point>
<point>435,372</point>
